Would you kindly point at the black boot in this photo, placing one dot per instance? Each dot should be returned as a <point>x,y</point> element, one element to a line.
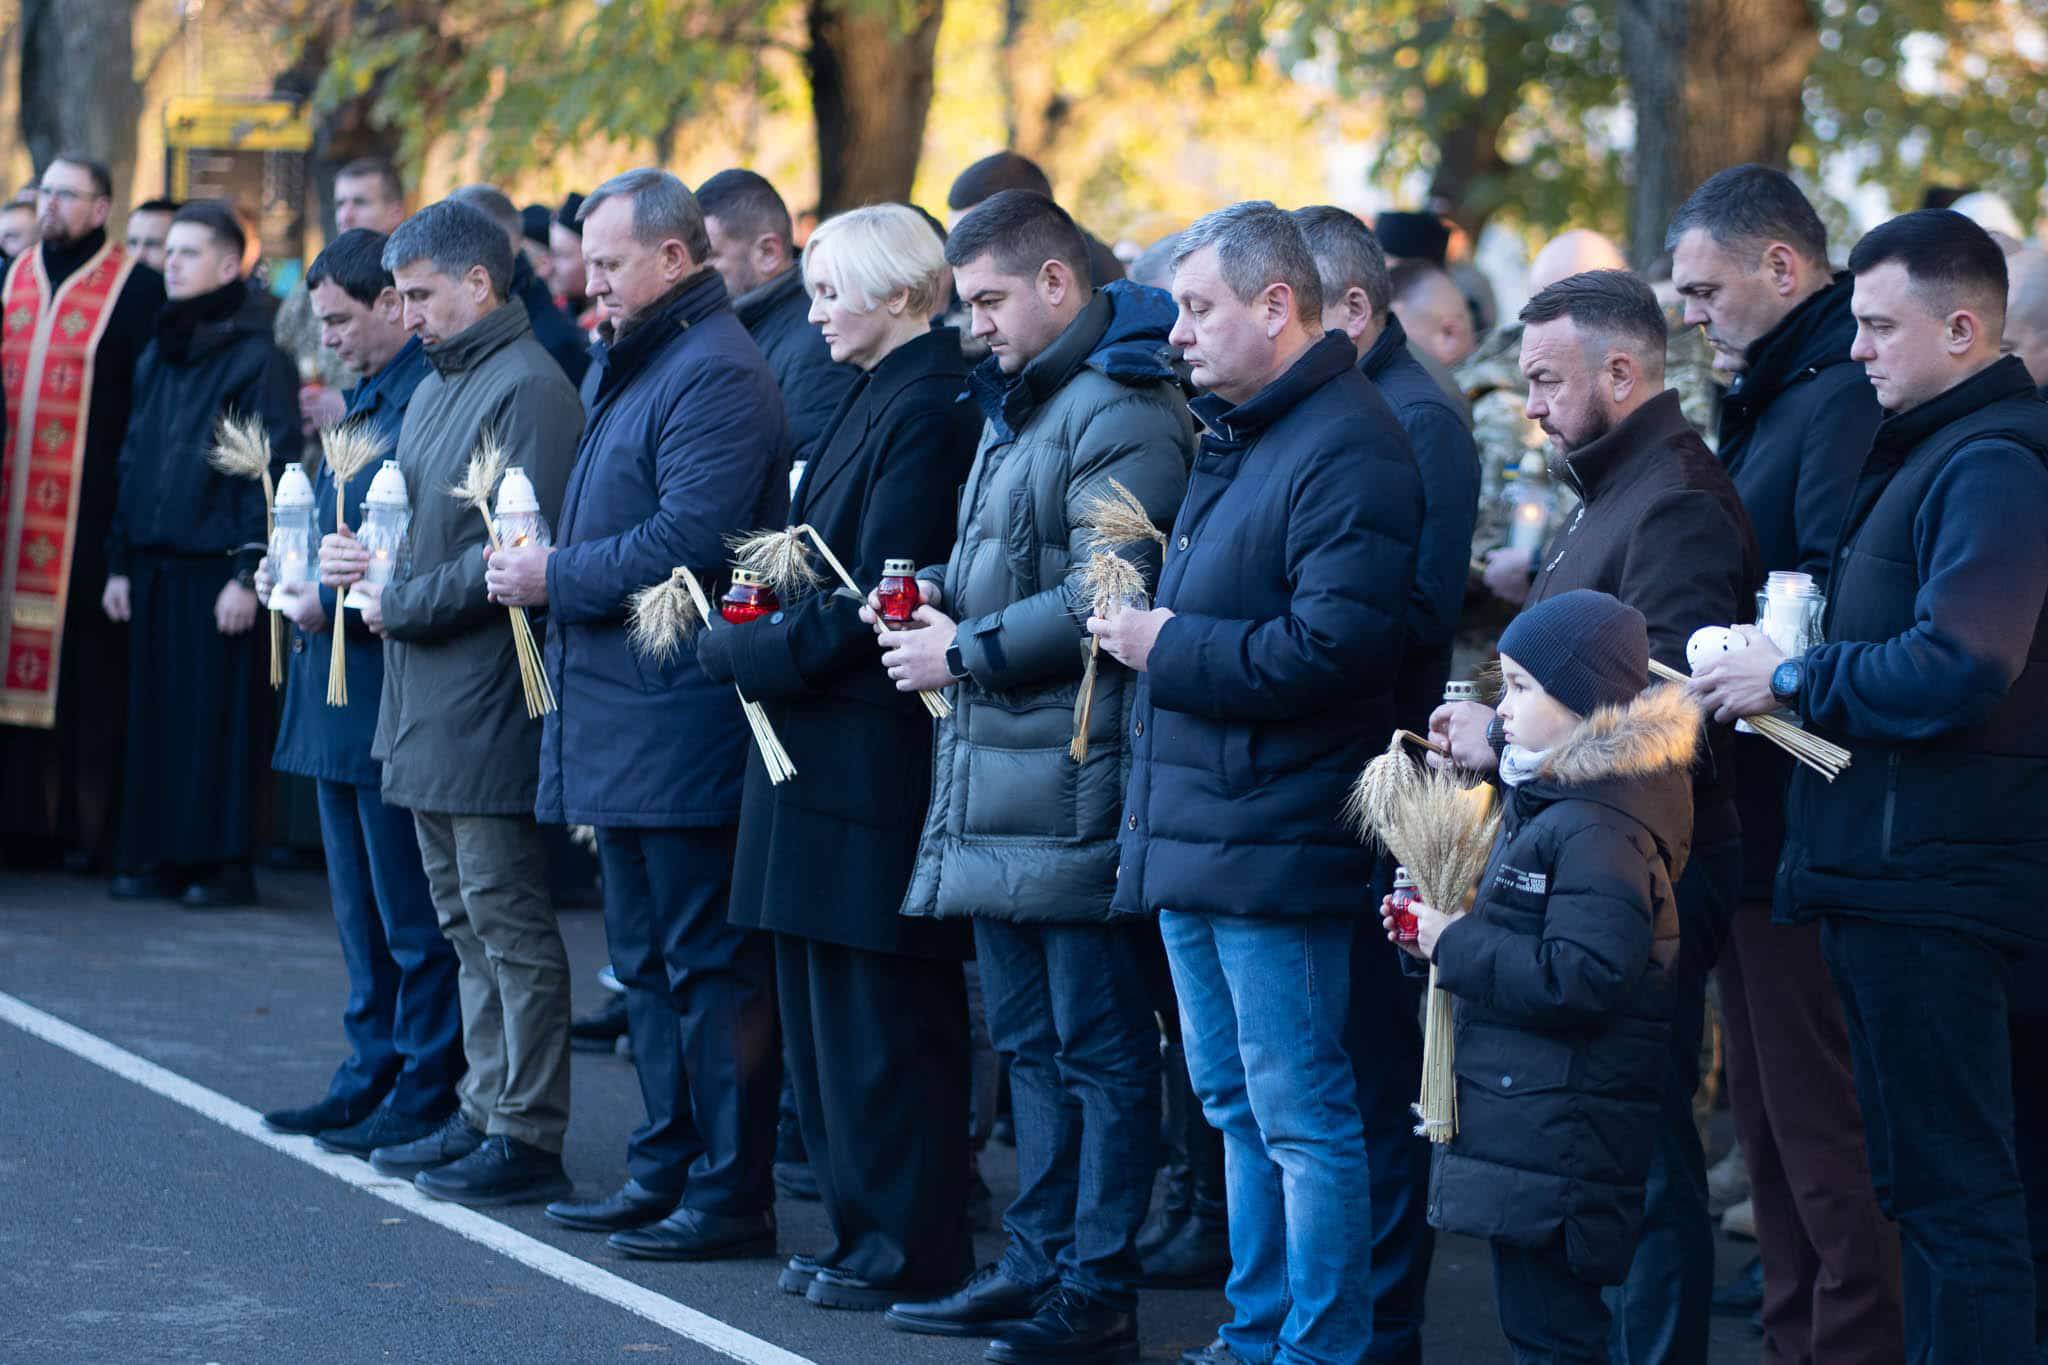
<point>600,1030</point>
<point>1172,1208</point>
<point>1198,1253</point>
<point>503,1170</point>
<point>1069,1329</point>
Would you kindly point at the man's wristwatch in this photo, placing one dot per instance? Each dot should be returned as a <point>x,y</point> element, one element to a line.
<point>247,578</point>
<point>954,663</point>
<point>1786,681</point>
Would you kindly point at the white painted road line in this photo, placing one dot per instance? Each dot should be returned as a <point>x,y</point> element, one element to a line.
<point>578,1274</point>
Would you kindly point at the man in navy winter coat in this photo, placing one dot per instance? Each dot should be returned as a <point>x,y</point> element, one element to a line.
<point>1266,680</point>
<point>403,1023</point>
<point>683,445</point>
<point>1923,862</point>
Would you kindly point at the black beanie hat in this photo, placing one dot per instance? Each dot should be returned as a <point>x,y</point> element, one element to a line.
<point>1587,649</point>
<point>572,205</point>
<point>533,222</point>
<point>1417,236</point>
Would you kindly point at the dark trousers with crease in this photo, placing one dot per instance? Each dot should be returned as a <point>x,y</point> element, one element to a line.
<point>877,1044</point>
<point>403,1020</point>
<point>1831,1258</point>
<point>719,1061</point>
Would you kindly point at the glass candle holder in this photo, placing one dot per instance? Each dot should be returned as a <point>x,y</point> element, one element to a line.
<point>898,593</point>
<point>1405,896</point>
<point>292,528</point>
<point>748,599</point>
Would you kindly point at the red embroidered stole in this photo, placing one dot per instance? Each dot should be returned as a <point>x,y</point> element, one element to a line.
<point>47,341</point>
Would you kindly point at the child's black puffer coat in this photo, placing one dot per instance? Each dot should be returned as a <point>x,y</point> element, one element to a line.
<point>1562,1011</point>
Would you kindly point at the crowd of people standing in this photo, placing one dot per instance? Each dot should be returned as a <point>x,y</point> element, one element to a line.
<point>1119,857</point>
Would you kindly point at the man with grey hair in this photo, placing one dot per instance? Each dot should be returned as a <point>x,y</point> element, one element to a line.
<point>2026,311</point>
<point>1266,680</point>
<point>1662,528</point>
<point>552,328</point>
<point>684,445</point>
<point>458,747</point>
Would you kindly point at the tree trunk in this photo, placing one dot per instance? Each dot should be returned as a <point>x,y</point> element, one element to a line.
<point>78,88</point>
<point>871,88</point>
<point>1714,83</point>
<point>1470,171</point>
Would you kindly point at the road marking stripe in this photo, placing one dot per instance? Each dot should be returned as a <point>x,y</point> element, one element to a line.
<point>573,1271</point>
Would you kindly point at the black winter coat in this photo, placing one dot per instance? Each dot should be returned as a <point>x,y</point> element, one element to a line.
<point>1562,1006</point>
<point>1795,427</point>
<point>212,355</point>
<point>777,316</point>
<point>828,854</point>
<point>1447,459</point>
<point>1935,675</point>
<point>683,445</point>
<point>1660,527</point>
<point>1288,573</point>
<point>555,330</point>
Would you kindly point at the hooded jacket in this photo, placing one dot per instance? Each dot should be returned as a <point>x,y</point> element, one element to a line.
<point>212,356</point>
<point>452,729</point>
<point>1016,829</point>
<point>1562,1007</point>
<point>683,446</point>
<point>1661,527</point>
<point>1935,676</point>
<point>1288,573</point>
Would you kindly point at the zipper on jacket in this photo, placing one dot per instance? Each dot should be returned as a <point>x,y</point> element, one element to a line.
<point>1891,800</point>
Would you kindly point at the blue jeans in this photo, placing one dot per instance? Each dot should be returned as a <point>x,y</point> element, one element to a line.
<point>1930,1040</point>
<point>1067,1010</point>
<point>1661,1309</point>
<point>1263,1004</point>
<point>700,1000</point>
<point>403,1019</point>
<point>1384,1038</point>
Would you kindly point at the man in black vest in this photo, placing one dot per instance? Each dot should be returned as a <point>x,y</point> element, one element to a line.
<point>1750,259</point>
<point>1923,862</point>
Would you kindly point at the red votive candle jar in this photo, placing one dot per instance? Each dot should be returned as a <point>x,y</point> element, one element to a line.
<point>898,593</point>
<point>1404,898</point>
<point>748,599</point>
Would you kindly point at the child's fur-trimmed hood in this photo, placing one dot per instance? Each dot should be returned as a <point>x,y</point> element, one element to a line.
<point>1656,732</point>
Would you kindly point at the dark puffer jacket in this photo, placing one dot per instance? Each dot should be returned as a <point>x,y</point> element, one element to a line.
<point>1562,1005</point>
<point>1288,574</point>
<point>1017,830</point>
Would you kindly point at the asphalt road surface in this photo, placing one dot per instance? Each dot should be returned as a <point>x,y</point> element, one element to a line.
<point>146,1216</point>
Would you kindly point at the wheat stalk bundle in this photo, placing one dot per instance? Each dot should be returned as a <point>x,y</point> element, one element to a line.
<point>479,480</point>
<point>241,450</point>
<point>659,619</point>
<point>784,563</point>
<point>1441,830</point>
<point>1107,580</point>
<point>349,449</point>
<point>1116,519</point>
<point>1816,753</point>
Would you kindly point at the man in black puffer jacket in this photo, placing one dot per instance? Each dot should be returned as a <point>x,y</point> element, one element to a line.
<point>1750,259</point>
<point>1560,973</point>
<point>1924,861</point>
<point>1267,679</point>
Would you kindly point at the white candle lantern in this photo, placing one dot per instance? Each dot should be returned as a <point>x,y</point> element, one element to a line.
<point>387,512</point>
<point>291,528</point>
<point>518,520</point>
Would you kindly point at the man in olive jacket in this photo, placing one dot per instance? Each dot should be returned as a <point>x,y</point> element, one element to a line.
<point>457,746</point>
<point>1078,391</point>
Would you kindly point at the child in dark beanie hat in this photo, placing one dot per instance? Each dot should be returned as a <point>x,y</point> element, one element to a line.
<point>1557,971</point>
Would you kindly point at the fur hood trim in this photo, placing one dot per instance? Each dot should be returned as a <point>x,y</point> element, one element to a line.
<point>1658,731</point>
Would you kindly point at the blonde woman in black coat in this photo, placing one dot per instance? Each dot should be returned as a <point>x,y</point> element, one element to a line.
<point>873,1004</point>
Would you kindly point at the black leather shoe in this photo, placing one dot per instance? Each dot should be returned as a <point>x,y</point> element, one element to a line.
<point>383,1128</point>
<point>329,1114</point>
<point>1215,1353</point>
<point>1197,1256</point>
<point>144,886</point>
<point>1745,1293</point>
<point>1070,1329</point>
<point>796,1180</point>
<point>796,1277</point>
<point>600,1031</point>
<point>503,1170</point>
<point>230,888</point>
<point>990,1302</point>
<point>694,1235</point>
<point>631,1207</point>
<point>832,1287</point>
<point>452,1141</point>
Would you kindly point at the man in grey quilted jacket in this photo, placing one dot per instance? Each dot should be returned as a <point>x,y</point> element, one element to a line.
<point>1078,390</point>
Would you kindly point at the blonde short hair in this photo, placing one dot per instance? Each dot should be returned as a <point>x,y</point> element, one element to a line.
<point>867,254</point>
